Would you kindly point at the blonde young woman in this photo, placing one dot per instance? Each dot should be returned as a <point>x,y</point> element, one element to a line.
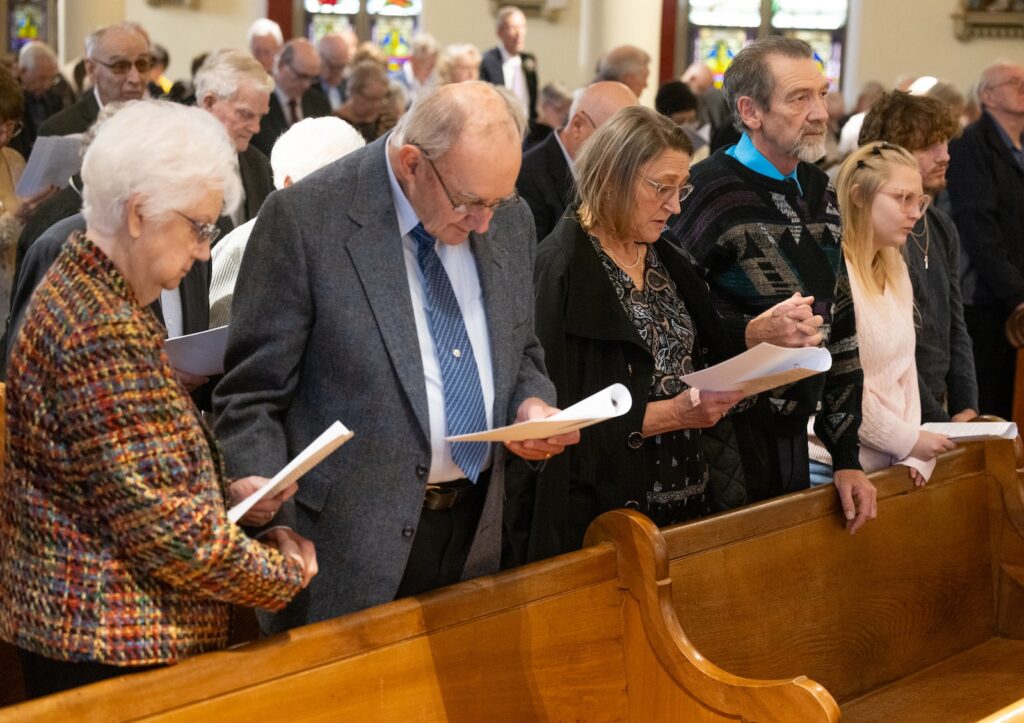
<point>881,198</point>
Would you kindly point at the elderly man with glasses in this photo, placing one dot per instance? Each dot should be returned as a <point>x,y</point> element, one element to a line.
<point>117,61</point>
<point>986,189</point>
<point>296,69</point>
<point>392,290</point>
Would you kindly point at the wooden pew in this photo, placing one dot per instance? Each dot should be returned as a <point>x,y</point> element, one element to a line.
<point>920,616</point>
<point>590,636</point>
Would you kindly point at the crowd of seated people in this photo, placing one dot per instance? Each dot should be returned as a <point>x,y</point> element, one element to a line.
<point>445,249</point>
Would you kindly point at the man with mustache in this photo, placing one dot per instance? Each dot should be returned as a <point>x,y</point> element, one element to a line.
<point>945,364</point>
<point>764,225</point>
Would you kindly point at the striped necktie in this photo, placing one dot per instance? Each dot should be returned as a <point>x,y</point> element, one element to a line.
<point>463,395</point>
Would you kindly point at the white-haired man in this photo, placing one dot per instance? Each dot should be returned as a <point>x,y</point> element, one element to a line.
<point>305,147</point>
<point>117,61</point>
<point>233,86</point>
<point>265,40</point>
<point>392,290</point>
<point>507,64</point>
<point>627,64</point>
<point>37,70</point>
<point>418,74</point>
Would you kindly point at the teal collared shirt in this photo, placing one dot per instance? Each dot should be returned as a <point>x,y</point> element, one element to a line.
<point>746,153</point>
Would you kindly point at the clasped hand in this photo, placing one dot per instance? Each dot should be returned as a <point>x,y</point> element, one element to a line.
<point>790,323</point>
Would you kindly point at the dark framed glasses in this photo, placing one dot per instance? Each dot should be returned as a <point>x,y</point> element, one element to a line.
<point>123,66</point>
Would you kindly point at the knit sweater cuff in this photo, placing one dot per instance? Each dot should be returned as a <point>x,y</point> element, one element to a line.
<point>846,458</point>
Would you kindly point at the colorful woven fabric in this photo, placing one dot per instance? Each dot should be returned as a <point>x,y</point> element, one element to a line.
<point>114,542</point>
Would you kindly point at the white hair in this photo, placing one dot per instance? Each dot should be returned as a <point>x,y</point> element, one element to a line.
<point>224,72</point>
<point>265,26</point>
<point>139,152</point>
<point>311,144</point>
<point>424,45</point>
<point>95,38</point>
<point>34,51</point>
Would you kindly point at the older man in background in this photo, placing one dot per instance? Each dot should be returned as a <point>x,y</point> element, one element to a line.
<point>508,64</point>
<point>335,57</point>
<point>265,40</point>
<point>986,190</point>
<point>392,290</point>
<point>37,70</point>
<point>546,179</point>
<point>296,69</point>
<point>117,61</point>
<point>627,64</point>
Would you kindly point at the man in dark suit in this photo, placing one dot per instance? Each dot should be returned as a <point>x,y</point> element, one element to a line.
<point>986,189</point>
<point>233,86</point>
<point>335,55</point>
<point>392,290</point>
<point>296,69</point>
<point>37,69</point>
<point>546,178</point>
<point>507,64</point>
<point>117,61</point>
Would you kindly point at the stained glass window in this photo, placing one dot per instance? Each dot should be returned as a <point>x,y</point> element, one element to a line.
<point>400,8</point>
<point>726,13</point>
<point>717,47</point>
<point>809,14</point>
<point>337,7</point>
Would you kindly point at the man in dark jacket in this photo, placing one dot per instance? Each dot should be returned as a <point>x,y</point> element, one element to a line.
<point>37,69</point>
<point>296,69</point>
<point>508,65</point>
<point>986,189</point>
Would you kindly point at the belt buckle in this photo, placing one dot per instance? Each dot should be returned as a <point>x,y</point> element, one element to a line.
<point>437,497</point>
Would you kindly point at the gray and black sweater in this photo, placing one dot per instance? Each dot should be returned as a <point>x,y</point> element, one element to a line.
<point>758,241</point>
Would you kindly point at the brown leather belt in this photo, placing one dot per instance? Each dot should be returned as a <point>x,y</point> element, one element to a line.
<point>445,495</point>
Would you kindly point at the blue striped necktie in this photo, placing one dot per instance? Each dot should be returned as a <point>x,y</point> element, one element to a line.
<point>463,396</point>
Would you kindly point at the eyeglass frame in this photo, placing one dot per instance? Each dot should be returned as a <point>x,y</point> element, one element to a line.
<point>304,77</point>
<point>1016,81</point>
<point>683,191</point>
<point>205,232</point>
<point>468,206</point>
<point>127,65</point>
<point>903,197</point>
<point>19,126</point>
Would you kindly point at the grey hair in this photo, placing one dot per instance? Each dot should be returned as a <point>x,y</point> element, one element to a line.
<point>106,113</point>
<point>622,61</point>
<point>750,75</point>
<point>95,38</point>
<point>166,174</point>
<point>515,109</point>
<point>453,53</point>
<point>264,26</point>
<point>986,75</point>
<point>33,52</point>
<point>311,144</point>
<point>435,121</point>
<point>504,13</point>
<point>424,44</point>
<point>224,72</point>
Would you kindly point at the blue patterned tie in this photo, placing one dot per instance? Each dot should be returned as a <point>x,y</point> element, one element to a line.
<point>463,396</point>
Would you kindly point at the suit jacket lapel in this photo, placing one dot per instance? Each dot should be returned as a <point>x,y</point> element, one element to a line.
<point>490,260</point>
<point>378,257</point>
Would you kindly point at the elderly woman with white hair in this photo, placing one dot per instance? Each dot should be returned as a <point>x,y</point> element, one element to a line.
<point>307,146</point>
<point>116,553</point>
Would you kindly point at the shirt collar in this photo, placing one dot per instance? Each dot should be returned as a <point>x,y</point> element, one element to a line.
<point>505,55</point>
<point>96,92</point>
<point>568,159</point>
<point>1006,137</point>
<point>746,153</point>
<point>407,217</point>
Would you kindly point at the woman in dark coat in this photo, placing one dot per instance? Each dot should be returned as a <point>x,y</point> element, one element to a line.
<point>616,302</point>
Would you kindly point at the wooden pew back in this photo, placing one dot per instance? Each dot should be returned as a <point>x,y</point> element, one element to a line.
<point>781,588</point>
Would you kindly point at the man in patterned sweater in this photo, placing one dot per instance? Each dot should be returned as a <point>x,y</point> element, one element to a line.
<point>763,224</point>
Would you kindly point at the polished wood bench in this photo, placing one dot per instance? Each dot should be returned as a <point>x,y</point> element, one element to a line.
<point>918,617</point>
<point>590,636</point>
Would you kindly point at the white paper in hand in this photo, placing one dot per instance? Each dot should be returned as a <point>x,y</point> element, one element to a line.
<point>201,353</point>
<point>334,436</point>
<point>54,159</point>
<point>973,431</point>
<point>764,367</point>
<point>613,401</point>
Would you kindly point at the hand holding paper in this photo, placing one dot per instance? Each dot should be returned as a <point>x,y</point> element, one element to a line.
<point>200,354</point>
<point>762,368</point>
<point>610,402</point>
<point>535,450</point>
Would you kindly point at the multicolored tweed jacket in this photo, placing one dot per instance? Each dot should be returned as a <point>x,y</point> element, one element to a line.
<point>114,542</point>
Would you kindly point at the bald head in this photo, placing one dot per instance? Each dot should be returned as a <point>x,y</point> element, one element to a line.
<point>699,78</point>
<point>1001,92</point>
<point>593,106</point>
<point>334,57</point>
<point>627,64</point>
<point>297,67</point>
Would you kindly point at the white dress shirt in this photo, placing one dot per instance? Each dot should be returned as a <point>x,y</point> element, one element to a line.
<point>170,307</point>
<point>515,77</point>
<point>460,265</point>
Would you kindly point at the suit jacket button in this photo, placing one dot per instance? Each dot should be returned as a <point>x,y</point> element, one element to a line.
<point>408,531</point>
<point>421,470</point>
<point>632,505</point>
<point>635,440</point>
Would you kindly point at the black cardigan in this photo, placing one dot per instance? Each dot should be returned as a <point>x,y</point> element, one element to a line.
<point>589,343</point>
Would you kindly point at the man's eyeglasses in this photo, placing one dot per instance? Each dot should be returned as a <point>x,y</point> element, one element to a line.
<point>11,128</point>
<point>123,67</point>
<point>1016,82</point>
<point>470,206</point>
<point>304,77</point>
<point>665,193</point>
<point>589,119</point>
<point>910,202</point>
<point>205,232</point>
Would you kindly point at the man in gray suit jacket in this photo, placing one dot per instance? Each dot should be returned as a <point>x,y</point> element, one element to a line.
<point>334,318</point>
